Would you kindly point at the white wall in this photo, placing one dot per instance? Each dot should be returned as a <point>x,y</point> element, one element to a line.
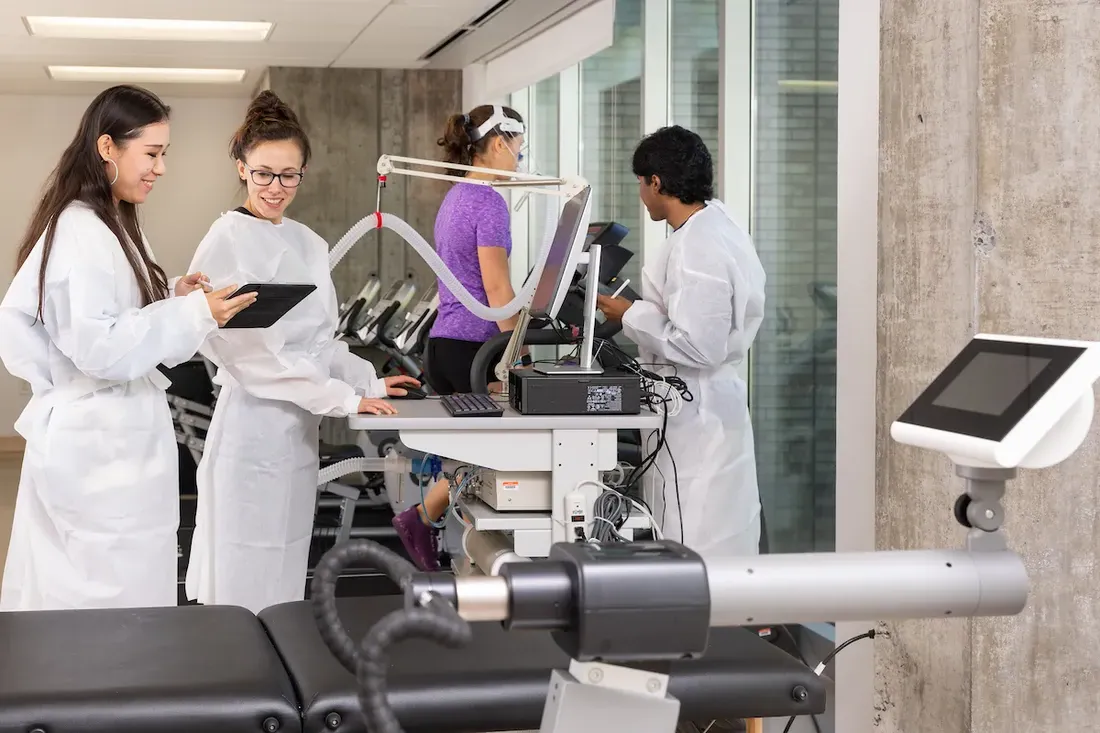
<point>200,183</point>
<point>857,333</point>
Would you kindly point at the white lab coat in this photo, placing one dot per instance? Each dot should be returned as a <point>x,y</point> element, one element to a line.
<point>98,505</point>
<point>257,480</point>
<point>703,301</point>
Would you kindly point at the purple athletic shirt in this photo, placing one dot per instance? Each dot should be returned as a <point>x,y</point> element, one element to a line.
<point>471,216</point>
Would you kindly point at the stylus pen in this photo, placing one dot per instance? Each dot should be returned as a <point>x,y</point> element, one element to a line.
<point>621,288</point>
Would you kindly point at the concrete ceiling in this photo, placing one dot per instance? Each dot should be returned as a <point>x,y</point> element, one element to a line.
<point>311,33</point>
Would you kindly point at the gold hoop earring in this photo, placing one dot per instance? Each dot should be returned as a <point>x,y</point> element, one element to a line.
<point>115,179</point>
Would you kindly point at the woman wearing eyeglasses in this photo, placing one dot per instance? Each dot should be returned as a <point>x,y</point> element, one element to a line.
<point>257,480</point>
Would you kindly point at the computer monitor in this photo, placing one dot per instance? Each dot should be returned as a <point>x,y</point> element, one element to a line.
<point>564,256</point>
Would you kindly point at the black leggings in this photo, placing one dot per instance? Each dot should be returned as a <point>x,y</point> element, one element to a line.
<point>448,365</point>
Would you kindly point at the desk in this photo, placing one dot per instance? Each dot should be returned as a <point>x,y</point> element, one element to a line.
<point>572,448</point>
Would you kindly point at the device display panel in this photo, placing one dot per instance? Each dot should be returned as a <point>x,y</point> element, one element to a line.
<point>989,387</point>
<point>559,256</point>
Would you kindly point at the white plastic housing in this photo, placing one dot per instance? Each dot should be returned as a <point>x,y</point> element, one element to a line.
<point>1048,434</point>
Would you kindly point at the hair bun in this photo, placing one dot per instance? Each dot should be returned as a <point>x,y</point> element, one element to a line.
<point>268,118</point>
<point>267,105</point>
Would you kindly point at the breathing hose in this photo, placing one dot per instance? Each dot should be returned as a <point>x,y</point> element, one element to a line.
<point>379,220</point>
<point>435,619</point>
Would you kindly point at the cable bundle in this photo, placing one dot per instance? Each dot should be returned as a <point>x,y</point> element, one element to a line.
<point>434,619</point>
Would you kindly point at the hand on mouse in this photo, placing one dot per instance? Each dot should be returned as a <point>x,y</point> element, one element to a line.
<point>395,385</point>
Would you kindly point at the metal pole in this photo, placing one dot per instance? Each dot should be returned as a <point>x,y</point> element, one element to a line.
<point>825,587</point>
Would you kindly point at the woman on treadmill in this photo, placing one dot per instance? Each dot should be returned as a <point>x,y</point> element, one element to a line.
<point>257,480</point>
<point>473,238</point>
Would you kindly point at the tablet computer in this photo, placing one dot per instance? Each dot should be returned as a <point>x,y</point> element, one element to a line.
<point>273,301</point>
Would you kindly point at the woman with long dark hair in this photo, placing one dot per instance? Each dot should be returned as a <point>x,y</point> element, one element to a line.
<point>87,320</point>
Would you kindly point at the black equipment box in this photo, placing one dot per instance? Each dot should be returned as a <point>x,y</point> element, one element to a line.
<point>612,393</point>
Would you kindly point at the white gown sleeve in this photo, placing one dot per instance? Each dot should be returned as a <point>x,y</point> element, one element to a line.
<point>103,338</point>
<point>260,360</point>
<point>356,371</point>
<point>695,332</point>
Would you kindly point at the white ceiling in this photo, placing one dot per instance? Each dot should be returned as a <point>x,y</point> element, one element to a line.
<point>311,33</point>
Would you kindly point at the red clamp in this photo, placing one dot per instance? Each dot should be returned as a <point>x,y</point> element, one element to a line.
<point>378,219</point>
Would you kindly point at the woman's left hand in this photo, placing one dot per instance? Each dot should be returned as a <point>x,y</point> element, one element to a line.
<point>190,283</point>
<point>395,385</point>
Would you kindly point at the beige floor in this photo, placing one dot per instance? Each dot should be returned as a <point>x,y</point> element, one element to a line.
<point>9,482</point>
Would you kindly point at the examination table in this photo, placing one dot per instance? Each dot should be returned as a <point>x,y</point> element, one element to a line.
<point>223,670</point>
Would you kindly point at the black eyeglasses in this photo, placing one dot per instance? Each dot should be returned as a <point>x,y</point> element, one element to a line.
<point>265,178</point>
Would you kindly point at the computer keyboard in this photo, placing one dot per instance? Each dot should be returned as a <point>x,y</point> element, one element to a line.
<point>471,405</point>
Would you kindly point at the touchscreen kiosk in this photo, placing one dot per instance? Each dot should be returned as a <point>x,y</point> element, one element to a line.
<point>1007,402</point>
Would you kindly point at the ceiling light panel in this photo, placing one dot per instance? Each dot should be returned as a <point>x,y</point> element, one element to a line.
<point>137,75</point>
<point>147,29</point>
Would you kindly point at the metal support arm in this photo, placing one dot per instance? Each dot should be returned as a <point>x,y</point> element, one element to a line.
<point>564,187</point>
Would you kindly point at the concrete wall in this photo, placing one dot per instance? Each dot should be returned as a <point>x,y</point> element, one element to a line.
<point>199,184</point>
<point>353,116</point>
<point>989,221</point>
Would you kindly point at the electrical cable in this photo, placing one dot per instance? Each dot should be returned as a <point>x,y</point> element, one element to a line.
<point>802,658</point>
<point>609,512</point>
<point>667,400</point>
<point>819,669</point>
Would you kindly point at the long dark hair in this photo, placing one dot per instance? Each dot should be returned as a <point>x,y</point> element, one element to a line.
<point>268,119</point>
<point>121,112</point>
<point>457,142</point>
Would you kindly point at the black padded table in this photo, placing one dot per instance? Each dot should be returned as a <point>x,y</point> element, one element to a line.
<point>163,670</point>
<point>499,682</point>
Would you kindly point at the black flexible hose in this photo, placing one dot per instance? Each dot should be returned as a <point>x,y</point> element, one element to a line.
<point>323,591</point>
<point>435,620</point>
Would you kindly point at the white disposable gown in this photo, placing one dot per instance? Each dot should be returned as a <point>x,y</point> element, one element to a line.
<point>257,480</point>
<point>703,301</point>
<point>97,511</point>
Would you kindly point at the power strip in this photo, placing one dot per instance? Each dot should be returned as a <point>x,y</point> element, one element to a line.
<point>575,519</point>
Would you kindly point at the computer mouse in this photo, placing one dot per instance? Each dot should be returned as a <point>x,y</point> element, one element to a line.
<point>412,393</point>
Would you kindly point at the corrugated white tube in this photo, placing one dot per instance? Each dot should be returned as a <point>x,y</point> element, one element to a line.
<point>410,235</point>
<point>388,464</point>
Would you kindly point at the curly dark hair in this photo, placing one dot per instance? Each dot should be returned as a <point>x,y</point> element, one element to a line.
<point>680,159</point>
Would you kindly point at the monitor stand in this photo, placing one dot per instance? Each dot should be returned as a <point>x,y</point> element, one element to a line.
<point>587,363</point>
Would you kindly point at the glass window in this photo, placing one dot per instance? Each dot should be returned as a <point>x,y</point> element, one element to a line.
<point>693,91</point>
<point>611,125</point>
<point>793,361</point>
<point>543,144</point>
<point>542,149</point>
